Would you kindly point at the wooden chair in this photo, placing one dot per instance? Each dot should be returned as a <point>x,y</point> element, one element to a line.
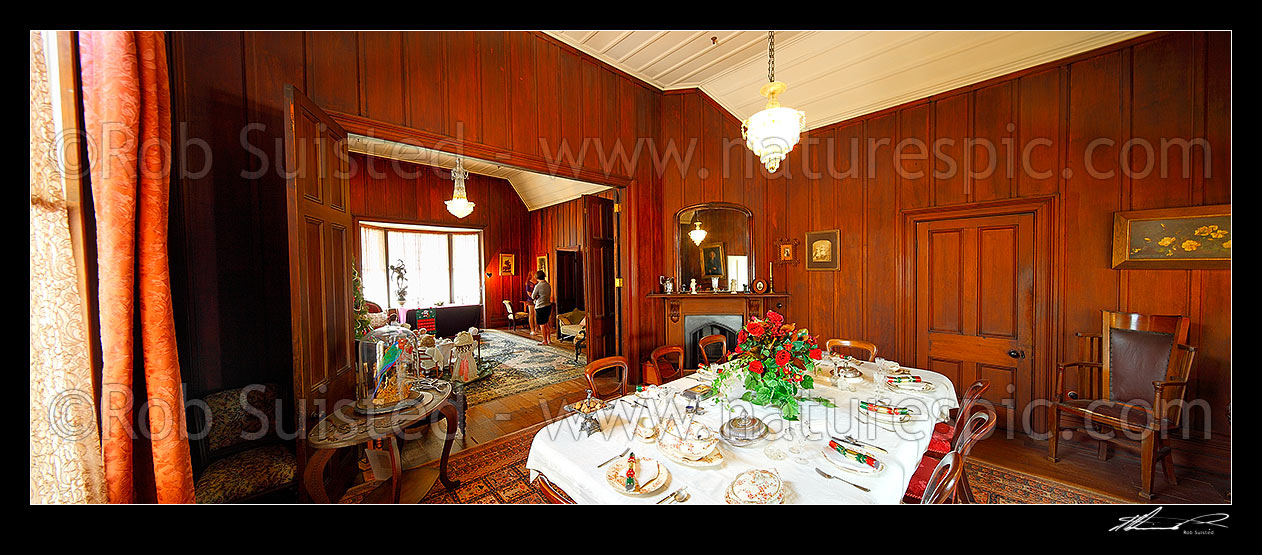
<point>942,482</point>
<point>845,347</point>
<point>514,317</point>
<point>978,425</point>
<point>944,432</point>
<point>551,493</point>
<point>659,369</point>
<point>1143,358</point>
<point>608,363</point>
<point>712,340</point>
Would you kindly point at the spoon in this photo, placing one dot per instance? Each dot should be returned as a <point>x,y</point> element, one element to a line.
<point>679,496</point>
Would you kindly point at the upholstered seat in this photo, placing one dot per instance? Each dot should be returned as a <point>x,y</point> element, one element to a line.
<point>247,474</point>
<point>976,425</point>
<point>944,432</point>
<point>247,459</point>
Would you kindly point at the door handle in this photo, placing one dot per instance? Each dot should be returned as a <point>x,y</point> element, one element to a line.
<point>1018,354</point>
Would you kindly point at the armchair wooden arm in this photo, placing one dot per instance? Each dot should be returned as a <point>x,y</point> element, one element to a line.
<point>1059,392</point>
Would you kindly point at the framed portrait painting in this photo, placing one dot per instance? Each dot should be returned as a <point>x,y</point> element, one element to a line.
<point>541,263</point>
<point>821,250</point>
<point>508,265</point>
<point>1191,238</point>
<point>713,263</point>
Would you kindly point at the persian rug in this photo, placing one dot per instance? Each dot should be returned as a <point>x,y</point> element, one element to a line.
<point>519,364</point>
<point>999,486</point>
<point>491,473</point>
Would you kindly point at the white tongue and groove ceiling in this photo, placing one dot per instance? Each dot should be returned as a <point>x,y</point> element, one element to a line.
<point>832,75</point>
<point>536,190</point>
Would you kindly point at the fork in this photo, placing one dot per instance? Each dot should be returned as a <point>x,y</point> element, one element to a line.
<point>615,457</point>
<point>827,475</point>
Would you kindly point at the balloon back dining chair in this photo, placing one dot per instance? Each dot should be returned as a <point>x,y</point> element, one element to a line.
<point>976,427</point>
<point>705,343</point>
<point>944,432</point>
<point>945,477</point>
<point>660,368</point>
<point>857,348</point>
<point>597,375</point>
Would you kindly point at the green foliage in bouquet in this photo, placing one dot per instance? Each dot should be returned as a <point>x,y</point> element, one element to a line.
<point>776,360</point>
<point>362,324</point>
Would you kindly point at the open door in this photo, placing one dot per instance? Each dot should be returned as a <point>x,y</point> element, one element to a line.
<point>598,280</point>
<point>319,274</point>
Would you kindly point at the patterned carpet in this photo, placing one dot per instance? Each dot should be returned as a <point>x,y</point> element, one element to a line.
<point>491,473</point>
<point>496,472</point>
<point>998,486</point>
<point>519,364</point>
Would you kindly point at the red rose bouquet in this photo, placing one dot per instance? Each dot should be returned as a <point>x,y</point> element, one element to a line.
<point>775,359</point>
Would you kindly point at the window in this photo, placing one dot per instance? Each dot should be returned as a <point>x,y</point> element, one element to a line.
<point>440,266</point>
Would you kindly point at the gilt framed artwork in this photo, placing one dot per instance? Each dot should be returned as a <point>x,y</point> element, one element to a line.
<point>541,263</point>
<point>713,263</point>
<point>1191,238</point>
<point>786,251</point>
<point>508,265</point>
<point>822,250</point>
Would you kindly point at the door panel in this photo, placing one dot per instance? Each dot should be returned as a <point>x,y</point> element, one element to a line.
<point>319,271</point>
<point>598,265</point>
<point>974,312</point>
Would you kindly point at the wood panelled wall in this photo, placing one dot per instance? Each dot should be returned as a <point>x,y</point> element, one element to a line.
<point>559,226</point>
<point>402,192</point>
<point>523,96</point>
<point>1161,86</point>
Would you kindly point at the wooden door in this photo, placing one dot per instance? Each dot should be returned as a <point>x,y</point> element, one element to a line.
<point>598,281</point>
<point>975,305</point>
<point>319,270</point>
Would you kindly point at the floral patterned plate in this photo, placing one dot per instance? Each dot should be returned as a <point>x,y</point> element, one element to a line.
<point>614,477</point>
<point>755,487</point>
<point>841,462</point>
<point>715,458</point>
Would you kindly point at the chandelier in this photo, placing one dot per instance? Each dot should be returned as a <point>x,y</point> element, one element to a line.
<point>697,234</point>
<point>459,205</point>
<point>772,132</point>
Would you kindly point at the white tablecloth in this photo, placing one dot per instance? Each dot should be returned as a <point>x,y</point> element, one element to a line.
<point>568,457</point>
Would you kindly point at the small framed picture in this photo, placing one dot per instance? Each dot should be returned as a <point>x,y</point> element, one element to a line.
<point>786,251</point>
<point>822,250</point>
<point>713,263</point>
<point>508,265</point>
<point>541,263</point>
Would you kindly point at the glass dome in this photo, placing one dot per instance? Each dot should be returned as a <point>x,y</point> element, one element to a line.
<point>386,370</point>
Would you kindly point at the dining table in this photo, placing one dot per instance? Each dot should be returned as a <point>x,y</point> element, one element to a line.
<point>568,458</point>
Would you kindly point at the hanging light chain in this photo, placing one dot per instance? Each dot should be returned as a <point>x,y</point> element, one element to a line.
<point>771,56</point>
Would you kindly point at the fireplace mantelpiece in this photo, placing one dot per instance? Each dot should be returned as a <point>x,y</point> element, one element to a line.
<point>679,305</point>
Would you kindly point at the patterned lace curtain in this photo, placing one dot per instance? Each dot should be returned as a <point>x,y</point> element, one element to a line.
<point>66,464</point>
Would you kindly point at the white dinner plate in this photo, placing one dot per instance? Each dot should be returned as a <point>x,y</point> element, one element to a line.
<point>911,387</point>
<point>852,466</point>
<point>614,478</point>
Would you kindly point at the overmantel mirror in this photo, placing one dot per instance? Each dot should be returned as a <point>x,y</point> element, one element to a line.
<point>714,245</point>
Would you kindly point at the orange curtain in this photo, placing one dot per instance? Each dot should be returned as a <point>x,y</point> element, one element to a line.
<point>127,119</point>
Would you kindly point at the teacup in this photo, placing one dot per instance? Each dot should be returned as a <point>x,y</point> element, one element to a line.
<point>644,428</point>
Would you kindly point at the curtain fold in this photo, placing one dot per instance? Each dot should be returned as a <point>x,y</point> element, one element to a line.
<point>126,101</point>
<point>65,448</point>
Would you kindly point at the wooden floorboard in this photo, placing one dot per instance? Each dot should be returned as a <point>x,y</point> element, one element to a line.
<point>1079,466</point>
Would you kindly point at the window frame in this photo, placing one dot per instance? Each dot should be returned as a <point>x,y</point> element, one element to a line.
<point>414,227</point>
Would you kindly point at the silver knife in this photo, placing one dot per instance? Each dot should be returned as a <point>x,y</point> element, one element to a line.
<point>671,495</point>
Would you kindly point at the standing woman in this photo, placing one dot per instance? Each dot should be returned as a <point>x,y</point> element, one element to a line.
<point>530,306</point>
<point>542,296</point>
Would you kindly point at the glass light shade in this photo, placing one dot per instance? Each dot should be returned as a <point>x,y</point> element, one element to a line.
<point>697,235</point>
<point>459,205</point>
<point>773,132</point>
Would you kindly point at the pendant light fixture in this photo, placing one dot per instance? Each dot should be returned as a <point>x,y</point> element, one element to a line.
<point>772,132</point>
<point>459,205</point>
<point>697,234</point>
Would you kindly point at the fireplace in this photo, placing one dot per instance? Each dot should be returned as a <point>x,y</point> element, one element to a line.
<point>691,316</point>
<point>697,326</point>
